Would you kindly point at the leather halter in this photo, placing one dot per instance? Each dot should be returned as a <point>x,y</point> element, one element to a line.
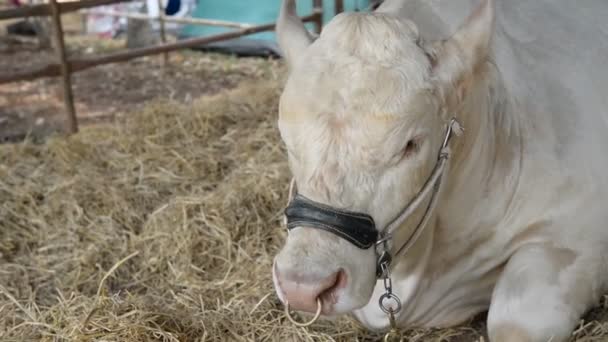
<point>359,228</point>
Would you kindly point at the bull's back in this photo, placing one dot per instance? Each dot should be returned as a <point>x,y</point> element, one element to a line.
<point>551,56</point>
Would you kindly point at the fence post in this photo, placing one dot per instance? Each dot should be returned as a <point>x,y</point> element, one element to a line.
<point>68,96</point>
<point>317,6</point>
<point>163,33</point>
<point>339,5</point>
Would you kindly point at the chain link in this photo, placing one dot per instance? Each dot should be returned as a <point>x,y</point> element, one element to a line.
<point>389,302</point>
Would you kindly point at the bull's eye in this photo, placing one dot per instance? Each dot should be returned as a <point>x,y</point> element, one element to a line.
<point>410,148</point>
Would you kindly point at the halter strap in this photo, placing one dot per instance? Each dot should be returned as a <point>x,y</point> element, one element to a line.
<point>433,186</point>
<point>357,228</point>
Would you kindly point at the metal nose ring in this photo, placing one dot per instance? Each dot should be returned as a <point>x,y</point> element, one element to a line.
<point>309,323</point>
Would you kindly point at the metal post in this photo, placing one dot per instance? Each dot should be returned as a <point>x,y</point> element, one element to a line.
<point>68,97</point>
<point>339,5</point>
<point>317,7</point>
<point>163,34</point>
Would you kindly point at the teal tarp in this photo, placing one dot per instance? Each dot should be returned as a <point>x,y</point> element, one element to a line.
<point>257,12</point>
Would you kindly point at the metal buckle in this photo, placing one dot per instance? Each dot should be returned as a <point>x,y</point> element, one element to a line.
<point>383,263</point>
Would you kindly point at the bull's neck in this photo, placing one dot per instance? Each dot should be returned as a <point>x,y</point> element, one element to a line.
<point>487,153</point>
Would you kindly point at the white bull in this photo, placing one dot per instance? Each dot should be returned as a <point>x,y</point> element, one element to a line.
<point>520,227</point>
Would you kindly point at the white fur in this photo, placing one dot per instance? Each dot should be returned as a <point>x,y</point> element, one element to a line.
<point>521,227</point>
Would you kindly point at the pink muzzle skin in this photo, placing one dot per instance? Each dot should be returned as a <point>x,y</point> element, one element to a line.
<point>302,291</point>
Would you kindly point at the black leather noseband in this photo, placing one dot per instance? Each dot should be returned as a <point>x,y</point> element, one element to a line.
<point>357,228</point>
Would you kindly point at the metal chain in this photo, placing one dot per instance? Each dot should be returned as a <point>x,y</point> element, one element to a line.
<point>389,297</point>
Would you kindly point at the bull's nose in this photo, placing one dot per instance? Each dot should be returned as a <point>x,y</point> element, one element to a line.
<point>302,290</point>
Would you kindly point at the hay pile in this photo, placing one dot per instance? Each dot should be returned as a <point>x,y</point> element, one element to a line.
<point>161,228</point>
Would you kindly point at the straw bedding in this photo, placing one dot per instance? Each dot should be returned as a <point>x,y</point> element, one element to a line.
<point>161,228</point>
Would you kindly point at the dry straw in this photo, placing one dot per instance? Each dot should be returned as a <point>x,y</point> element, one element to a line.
<point>160,228</point>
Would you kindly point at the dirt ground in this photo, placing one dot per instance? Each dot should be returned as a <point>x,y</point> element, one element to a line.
<point>36,108</point>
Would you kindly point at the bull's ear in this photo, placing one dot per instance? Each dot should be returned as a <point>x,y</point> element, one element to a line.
<point>292,36</point>
<point>456,60</point>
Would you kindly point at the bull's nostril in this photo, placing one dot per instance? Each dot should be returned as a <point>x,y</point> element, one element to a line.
<point>330,293</point>
<point>301,291</point>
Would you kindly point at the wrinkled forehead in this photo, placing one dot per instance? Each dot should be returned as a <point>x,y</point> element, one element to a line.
<point>364,66</point>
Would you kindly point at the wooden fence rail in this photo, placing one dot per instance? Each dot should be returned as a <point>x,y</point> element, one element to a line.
<point>83,63</point>
<point>195,21</point>
<point>45,9</point>
<point>65,66</point>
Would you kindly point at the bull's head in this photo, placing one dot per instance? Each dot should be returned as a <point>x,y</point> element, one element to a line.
<point>362,116</point>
